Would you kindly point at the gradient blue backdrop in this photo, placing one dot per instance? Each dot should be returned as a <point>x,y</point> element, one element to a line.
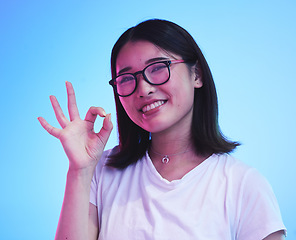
<point>250,47</point>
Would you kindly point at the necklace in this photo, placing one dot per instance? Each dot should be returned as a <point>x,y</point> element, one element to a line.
<point>166,159</point>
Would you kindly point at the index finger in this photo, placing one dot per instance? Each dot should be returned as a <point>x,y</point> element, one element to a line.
<point>72,106</point>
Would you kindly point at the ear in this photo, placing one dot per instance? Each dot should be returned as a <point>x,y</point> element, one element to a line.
<point>198,76</point>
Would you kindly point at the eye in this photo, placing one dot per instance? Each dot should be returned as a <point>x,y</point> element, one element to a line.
<point>157,68</point>
<point>124,79</point>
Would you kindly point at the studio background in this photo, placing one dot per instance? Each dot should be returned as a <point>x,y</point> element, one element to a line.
<point>249,45</point>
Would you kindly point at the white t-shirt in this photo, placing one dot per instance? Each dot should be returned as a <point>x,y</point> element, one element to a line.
<point>221,198</point>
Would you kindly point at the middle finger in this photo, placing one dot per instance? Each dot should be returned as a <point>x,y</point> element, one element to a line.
<point>72,106</point>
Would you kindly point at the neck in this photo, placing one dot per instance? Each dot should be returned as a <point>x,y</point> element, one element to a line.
<point>169,144</point>
<point>179,148</point>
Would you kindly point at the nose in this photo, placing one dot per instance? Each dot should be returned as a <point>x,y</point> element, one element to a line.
<point>144,88</point>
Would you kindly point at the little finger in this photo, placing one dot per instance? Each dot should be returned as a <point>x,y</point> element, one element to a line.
<point>50,129</point>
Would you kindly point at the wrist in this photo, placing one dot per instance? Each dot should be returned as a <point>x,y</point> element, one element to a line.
<point>84,174</point>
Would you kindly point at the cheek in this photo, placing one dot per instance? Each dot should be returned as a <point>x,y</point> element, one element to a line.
<point>128,107</point>
<point>184,98</point>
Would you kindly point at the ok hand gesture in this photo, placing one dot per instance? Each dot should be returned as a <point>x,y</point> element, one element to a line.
<point>82,145</point>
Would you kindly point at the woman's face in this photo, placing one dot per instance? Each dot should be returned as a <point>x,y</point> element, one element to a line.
<point>158,108</point>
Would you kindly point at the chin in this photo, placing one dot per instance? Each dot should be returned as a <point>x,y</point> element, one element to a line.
<point>155,128</point>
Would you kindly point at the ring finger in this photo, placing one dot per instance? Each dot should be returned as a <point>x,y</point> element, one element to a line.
<point>63,121</point>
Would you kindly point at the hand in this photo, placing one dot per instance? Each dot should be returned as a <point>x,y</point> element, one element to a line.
<point>82,145</point>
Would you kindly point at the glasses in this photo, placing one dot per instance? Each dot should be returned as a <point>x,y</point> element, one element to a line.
<point>156,73</point>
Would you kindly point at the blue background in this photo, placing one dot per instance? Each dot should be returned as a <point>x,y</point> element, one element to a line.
<point>249,45</point>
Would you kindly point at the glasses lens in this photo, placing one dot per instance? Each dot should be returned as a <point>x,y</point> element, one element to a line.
<point>157,73</point>
<point>125,84</point>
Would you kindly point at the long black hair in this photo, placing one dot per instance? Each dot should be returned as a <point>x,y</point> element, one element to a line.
<point>205,132</point>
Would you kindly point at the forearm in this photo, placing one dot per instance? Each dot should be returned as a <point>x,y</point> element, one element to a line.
<point>73,222</point>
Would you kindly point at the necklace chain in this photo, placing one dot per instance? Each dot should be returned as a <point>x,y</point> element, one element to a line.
<point>166,158</point>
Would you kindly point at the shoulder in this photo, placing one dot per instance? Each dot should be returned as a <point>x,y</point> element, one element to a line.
<point>247,176</point>
<point>102,164</point>
<point>110,173</point>
<point>244,180</point>
<point>231,167</point>
<point>104,158</point>
<point>238,168</point>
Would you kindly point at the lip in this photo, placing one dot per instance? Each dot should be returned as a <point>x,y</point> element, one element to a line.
<point>151,106</point>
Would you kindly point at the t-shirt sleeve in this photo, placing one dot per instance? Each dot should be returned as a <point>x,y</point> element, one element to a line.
<point>258,213</point>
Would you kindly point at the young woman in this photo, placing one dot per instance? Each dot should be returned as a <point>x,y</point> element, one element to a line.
<point>171,176</point>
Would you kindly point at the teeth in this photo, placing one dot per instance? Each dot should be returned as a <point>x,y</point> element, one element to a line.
<point>152,106</point>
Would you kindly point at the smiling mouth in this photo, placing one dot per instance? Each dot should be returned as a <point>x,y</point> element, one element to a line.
<point>151,106</point>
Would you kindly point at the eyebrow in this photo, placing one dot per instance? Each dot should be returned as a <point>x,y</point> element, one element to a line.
<point>156,59</point>
<point>126,69</point>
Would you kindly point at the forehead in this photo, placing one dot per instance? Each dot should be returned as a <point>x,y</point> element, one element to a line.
<point>134,55</point>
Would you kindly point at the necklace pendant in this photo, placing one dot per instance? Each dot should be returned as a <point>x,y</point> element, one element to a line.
<point>165,159</point>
